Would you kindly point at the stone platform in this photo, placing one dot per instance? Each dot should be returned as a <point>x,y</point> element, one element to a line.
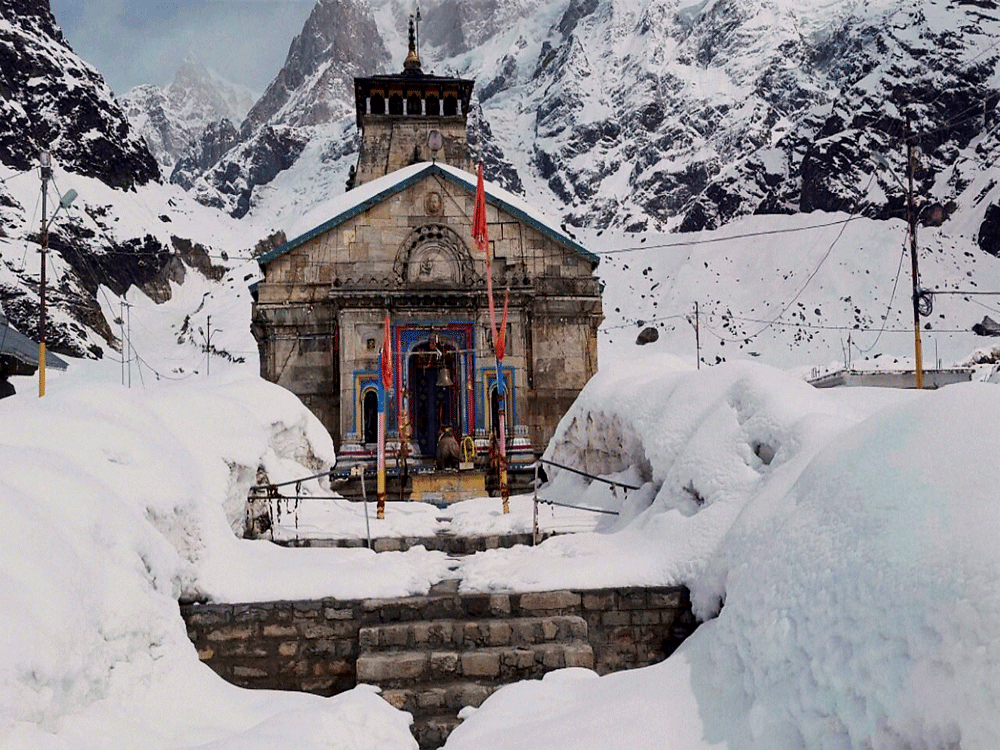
<point>434,654</point>
<point>446,487</point>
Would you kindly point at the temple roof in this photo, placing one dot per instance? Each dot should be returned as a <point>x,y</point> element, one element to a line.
<point>336,211</point>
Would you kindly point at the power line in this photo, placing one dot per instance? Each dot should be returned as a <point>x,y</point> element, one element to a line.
<point>888,307</point>
<point>642,321</point>
<point>710,240</point>
<point>10,177</point>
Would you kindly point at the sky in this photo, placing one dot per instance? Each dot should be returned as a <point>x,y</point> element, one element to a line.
<point>132,42</point>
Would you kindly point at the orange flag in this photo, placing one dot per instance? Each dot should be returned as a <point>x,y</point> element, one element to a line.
<point>387,355</point>
<point>479,217</point>
<point>483,243</point>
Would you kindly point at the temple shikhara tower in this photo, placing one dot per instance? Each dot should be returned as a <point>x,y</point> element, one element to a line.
<point>400,242</point>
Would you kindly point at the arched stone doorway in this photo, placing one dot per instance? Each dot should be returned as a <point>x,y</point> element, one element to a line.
<point>433,405</point>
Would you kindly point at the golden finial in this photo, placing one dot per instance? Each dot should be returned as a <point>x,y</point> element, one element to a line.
<point>412,61</point>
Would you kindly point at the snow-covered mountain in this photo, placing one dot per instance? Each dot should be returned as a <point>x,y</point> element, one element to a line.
<point>617,118</point>
<point>51,99</point>
<point>171,119</point>
<point>125,227</point>
<point>662,114</point>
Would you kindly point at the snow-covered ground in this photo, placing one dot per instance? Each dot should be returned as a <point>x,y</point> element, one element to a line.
<point>337,518</point>
<point>849,534</point>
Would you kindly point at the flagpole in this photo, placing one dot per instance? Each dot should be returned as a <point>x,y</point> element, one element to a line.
<point>380,485</point>
<point>385,382</point>
<point>480,235</point>
<point>501,416</point>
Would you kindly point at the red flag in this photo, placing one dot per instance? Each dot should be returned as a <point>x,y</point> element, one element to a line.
<point>483,243</point>
<point>500,339</point>
<point>479,218</point>
<point>387,355</point>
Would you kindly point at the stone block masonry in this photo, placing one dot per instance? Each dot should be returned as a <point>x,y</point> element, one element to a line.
<point>313,646</point>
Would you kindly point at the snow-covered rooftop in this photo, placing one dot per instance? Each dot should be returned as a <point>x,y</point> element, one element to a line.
<point>327,215</point>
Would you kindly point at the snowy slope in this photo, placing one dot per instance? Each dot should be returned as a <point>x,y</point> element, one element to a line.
<point>810,291</point>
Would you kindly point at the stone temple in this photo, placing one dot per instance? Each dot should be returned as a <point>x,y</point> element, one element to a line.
<point>399,240</point>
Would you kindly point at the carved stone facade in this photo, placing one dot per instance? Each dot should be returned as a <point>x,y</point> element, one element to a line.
<point>320,312</point>
<point>401,242</point>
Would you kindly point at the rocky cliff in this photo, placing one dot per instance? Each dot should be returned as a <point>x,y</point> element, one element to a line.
<point>50,99</point>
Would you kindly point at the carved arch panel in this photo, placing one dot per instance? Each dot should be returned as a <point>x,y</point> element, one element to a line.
<point>434,255</point>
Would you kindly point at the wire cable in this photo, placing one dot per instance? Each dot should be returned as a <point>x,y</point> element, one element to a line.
<point>710,240</point>
<point>885,318</point>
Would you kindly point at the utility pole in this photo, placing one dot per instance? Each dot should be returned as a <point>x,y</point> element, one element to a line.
<point>45,161</point>
<point>912,215</point>
<point>131,351</point>
<point>121,326</point>
<point>697,333</point>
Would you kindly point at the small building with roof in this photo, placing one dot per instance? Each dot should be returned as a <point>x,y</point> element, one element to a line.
<point>19,354</point>
<point>401,241</point>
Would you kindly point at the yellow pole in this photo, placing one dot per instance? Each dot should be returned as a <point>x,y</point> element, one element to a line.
<point>41,368</point>
<point>45,160</point>
<point>911,210</point>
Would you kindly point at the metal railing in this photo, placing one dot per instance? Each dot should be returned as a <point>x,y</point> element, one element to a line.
<point>542,501</point>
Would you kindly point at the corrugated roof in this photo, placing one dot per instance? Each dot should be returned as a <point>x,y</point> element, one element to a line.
<point>15,344</point>
<point>359,200</point>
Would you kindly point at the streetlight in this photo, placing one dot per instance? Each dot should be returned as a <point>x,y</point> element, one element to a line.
<point>45,163</point>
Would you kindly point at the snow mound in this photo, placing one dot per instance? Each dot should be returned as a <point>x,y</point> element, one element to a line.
<point>848,537</point>
<point>864,603</point>
<point>698,445</point>
<point>120,502</point>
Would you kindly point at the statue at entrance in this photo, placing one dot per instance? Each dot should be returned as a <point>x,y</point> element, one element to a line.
<point>448,453</point>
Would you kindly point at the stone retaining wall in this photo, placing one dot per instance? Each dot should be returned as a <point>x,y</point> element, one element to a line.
<point>313,646</point>
<point>443,542</point>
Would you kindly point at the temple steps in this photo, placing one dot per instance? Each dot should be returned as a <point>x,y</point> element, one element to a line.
<point>435,668</point>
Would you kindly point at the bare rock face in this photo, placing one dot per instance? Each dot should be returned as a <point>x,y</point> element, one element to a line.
<point>51,99</point>
<point>647,336</point>
<point>256,161</point>
<point>989,232</point>
<point>316,84</point>
<point>204,153</point>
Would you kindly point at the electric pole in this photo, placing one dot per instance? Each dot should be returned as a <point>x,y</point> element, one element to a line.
<point>45,162</point>
<point>121,325</point>
<point>912,215</point>
<point>697,333</point>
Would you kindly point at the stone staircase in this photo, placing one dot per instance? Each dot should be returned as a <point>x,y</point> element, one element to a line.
<point>434,668</point>
<point>434,654</point>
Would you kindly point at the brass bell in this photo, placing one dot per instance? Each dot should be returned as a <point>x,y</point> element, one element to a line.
<point>444,377</point>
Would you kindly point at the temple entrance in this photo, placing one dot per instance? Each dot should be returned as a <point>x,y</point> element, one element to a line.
<point>434,401</point>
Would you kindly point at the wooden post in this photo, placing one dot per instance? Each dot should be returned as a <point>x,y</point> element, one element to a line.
<point>380,482</point>
<point>912,215</point>
<point>501,409</point>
